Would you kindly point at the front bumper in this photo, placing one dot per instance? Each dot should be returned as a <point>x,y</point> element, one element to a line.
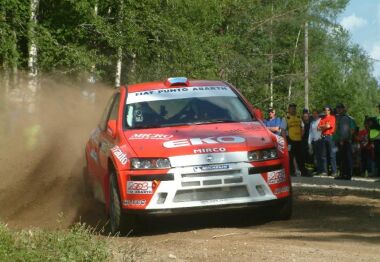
<point>203,188</point>
<point>209,209</point>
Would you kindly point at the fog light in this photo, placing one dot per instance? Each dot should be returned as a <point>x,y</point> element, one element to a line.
<point>260,190</point>
<point>161,198</point>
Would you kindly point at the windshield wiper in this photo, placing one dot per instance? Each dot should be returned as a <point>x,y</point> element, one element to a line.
<point>213,122</point>
<point>146,126</point>
<point>186,124</point>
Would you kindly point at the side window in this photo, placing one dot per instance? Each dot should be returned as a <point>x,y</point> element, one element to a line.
<point>115,108</point>
<point>103,121</point>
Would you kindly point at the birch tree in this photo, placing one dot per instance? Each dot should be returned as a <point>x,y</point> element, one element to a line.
<point>119,55</point>
<point>306,65</point>
<point>32,52</point>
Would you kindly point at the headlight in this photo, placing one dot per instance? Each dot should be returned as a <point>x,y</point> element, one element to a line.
<point>150,163</point>
<point>262,155</point>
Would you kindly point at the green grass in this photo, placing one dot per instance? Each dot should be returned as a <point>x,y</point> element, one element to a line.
<point>76,244</point>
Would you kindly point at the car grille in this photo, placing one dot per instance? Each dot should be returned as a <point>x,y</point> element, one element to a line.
<point>204,194</point>
<point>211,174</point>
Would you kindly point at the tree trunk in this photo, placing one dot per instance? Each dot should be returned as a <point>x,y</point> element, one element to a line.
<point>306,65</point>
<point>271,60</point>
<point>32,60</point>
<point>14,66</point>
<point>118,66</point>
<point>119,49</point>
<point>96,9</point>
<point>293,60</point>
<point>133,69</point>
<point>92,78</point>
<point>6,81</point>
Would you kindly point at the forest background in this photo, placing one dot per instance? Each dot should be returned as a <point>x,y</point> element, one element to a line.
<point>274,52</point>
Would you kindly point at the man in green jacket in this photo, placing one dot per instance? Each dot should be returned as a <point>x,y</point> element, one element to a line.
<point>374,135</point>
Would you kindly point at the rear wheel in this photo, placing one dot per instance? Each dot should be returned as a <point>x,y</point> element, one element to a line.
<point>87,185</point>
<point>120,222</point>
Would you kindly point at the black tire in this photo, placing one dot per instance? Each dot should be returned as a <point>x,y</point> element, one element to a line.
<point>120,222</point>
<point>284,210</point>
<point>87,186</point>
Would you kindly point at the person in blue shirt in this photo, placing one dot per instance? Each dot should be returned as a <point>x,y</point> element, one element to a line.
<point>273,123</point>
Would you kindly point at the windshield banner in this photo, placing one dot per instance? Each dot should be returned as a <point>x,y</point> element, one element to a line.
<point>179,93</point>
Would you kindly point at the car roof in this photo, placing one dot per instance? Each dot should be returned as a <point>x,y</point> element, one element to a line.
<point>162,85</point>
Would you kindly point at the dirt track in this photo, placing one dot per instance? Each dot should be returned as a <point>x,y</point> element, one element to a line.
<point>328,225</point>
<point>41,186</point>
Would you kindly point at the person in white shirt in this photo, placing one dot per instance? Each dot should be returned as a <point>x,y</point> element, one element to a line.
<point>315,142</point>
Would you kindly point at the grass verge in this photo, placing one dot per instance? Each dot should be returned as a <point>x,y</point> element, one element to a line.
<point>76,244</point>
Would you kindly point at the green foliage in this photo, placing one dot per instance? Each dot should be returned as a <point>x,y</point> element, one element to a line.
<point>216,39</point>
<point>77,244</point>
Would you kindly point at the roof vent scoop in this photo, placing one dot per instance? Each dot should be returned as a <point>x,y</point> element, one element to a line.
<point>177,81</point>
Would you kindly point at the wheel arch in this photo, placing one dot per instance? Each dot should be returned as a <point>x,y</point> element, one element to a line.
<point>111,169</point>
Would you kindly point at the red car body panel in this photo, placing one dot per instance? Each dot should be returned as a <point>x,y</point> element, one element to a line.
<point>188,147</point>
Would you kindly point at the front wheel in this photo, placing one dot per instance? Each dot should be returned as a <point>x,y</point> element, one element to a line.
<point>284,210</point>
<point>119,221</point>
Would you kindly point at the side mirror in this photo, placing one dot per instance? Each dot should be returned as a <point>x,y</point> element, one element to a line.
<point>111,128</point>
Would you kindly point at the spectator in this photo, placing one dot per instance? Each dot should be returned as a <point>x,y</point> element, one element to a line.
<point>305,138</point>
<point>273,123</point>
<point>292,129</point>
<point>374,135</point>
<point>315,142</point>
<point>366,150</point>
<point>356,153</point>
<point>327,127</point>
<point>344,132</point>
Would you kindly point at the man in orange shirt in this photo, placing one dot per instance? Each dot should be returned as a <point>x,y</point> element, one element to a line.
<point>327,127</point>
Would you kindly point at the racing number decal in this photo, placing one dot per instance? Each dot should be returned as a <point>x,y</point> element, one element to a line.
<point>278,182</point>
<point>140,193</point>
<point>276,177</point>
<point>140,187</point>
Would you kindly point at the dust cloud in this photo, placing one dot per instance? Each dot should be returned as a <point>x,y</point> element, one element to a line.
<point>42,140</point>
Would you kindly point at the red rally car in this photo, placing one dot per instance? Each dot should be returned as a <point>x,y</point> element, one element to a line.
<point>184,146</point>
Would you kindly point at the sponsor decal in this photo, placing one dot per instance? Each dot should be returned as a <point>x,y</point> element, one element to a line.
<point>280,190</point>
<point>94,155</point>
<point>209,150</point>
<point>135,202</point>
<point>209,158</point>
<point>276,177</point>
<point>280,143</point>
<point>140,187</point>
<point>151,136</point>
<point>178,93</point>
<point>180,90</point>
<point>250,127</point>
<point>204,141</point>
<point>210,168</point>
<point>120,155</point>
<point>95,133</point>
<point>139,116</point>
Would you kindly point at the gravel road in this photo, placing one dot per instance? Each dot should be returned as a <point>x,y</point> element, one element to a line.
<point>41,186</point>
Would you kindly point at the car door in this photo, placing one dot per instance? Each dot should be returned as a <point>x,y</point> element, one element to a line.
<point>106,142</point>
<point>94,143</point>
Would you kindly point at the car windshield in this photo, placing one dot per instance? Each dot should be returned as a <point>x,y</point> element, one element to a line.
<point>186,111</point>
